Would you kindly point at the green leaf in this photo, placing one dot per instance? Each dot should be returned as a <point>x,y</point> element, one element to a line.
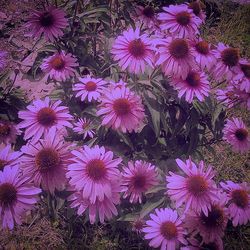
<point>149,206</point>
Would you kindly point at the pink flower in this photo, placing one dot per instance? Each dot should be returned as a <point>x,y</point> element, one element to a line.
<point>60,66</point>
<point>17,195</point>
<point>138,224</point>
<point>133,51</point>
<point>194,85</point>
<point>8,132</point>
<point>49,22</point>
<point>104,209</point>
<point>227,96</point>
<point>210,226</point>
<point>239,202</point>
<point>92,172</point>
<point>89,88</point>
<point>138,178</point>
<point>83,126</point>
<point>145,15</point>
<point>46,162</point>
<point>114,85</point>
<point>243,77</point>
<point>175,57</point>
<point>8,157</point>
<point>237,135</point>
<point>179,21</point>
<point>203,54</point>
<point>227,65</point>
<point>196,190</point>
<point>196,6</point>
<point>41,116</point>
<point>3,59</point>
<point>121,109</point>
<point>165,229</point>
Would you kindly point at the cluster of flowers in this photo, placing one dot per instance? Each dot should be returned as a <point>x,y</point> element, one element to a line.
<point>95,177</point>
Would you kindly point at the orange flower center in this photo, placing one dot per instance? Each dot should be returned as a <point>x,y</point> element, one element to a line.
<point>137,48</point>
<point>193,79</point>
<point>178,48</point>
<point>90,86</point>
<point>183,18</point>
<point>57,63</point>
<point>168,230</point>
<point>148,11</point>
<point>214,219</point>
<point>3,163</point>
<point>230,56</point>
<point>202,47</point>
<point>121,106</point>
<point>46,20</point>
<point>139,181</point>
<point>240,198</point>
<point>8,194</point>
<point>47,159</point>
<point>246,69</point>
<point>197,185</point>
<point>46,116</point>
<point>241,134</point>
<point>96,169</point>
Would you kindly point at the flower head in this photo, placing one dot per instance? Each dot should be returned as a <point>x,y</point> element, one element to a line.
<point>49,22</point>
<point>165,229</point>
<point>145,15</point>
<point>17,195</point>
<point>227,96</point>
<point>83,126</point>
<point>121,109</point>
<point>239,202</point>
<point>133,51</point>
<point>8,132</point>
<point>197,7</point>
<point>92,171</point>
<point>138,177</point>
<point>196,190</point>
<point>243,77</point>
<point>41,116</point>
<point>236,134</point>
<point>89,88</point>
<point>60,66</point>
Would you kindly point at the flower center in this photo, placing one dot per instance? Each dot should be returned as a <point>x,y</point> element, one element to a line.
<point>46,20</point>
<point>196,7</point>
<point>168,230</point>
<point>4,129</point>
<point>193,79</point>
<point>214,219</point>
<point>3,163</point>
<point>46,116</point>
<point>121,106</point>
<point>90,86</point>
<point>240,198</point>
<point>96,169</point>
<point>178,48</point>
<point>230,57</point>
<point>137,48</point>
<point>138,224</point>
<point>202,47</point>
<point>241,134</point>
<point>148,11</point>
<point>139,181</point>
<point>8,194</point>
<point>183,18</point>
<point>57,63</point>
<point>47,159</point>
<point>197,185</point>
<point>246,69</point>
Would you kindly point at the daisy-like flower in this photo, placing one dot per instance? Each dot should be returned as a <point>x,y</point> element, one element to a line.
<point>137,225</point>
<point>175,57</point>
<point>227,64</point>
<point>138,178</point>
<point>8,132</point>
<point>227,96</point>
<point>133,51</point>
<point>239,202</point>
<point>165,229</point>
<point>49,22</point>
<point>203,54</point>
<point>195,85</point>
<point>197,8</point>
<point>243,78</point>
<point>3,55</point>
<point>237,135</point>
<point>121,109</point>
<point>244,97</point>
<point>92,172</point>
<point>60,66</point>
<point>146,16</point>
<point>210,226</point>
<point>43,115</point>
<point>89,88</point>
<point>46,162</point>
<point>17,195</point>
<point>179,21</point>
<point>104,209</point>
<point>83,126</point>
<point>8,157</point>
<point>197,190</point>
